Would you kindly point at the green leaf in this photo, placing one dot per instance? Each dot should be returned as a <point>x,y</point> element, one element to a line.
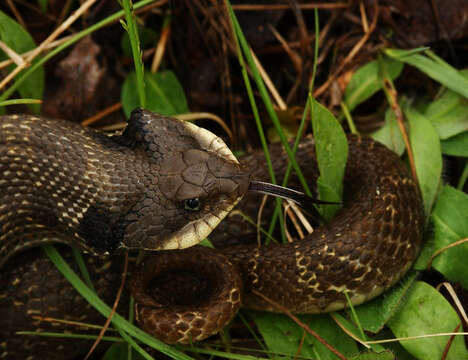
<point>164,94</point>
<point>427,312</point>
<point>456,146</point>
<point>367,80</point>
<point>449,113</point>
<point>438,70</point>
<point>449,219</point>
<point>283,336</point>
<point>390,134</point>
<point>18,39</point>
<point>332,154</point>
<point>427,156</point>
<point>374,314</point>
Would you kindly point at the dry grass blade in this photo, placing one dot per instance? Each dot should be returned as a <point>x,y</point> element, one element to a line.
<point>49,46</point>
<point>349,333</point>
<point>441,250</point>
<point>415,337</point>
<point>15,58</point>
<point>351,54</point>
<point>160,48</point>
<point>259,219</point>
<point>269,84</point>
<point>66,322</point>
<point>293,218</point>
<point>64,26</point>
<point>455,299</point>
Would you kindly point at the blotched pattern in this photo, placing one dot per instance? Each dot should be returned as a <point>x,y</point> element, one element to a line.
<point>366,249</point>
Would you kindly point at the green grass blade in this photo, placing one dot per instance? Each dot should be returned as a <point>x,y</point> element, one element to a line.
<point>131,28</point>
<point>266,99</point>
<point>105,310</point>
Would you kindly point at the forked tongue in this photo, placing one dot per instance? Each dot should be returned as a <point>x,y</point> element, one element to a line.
<point>303,200</point>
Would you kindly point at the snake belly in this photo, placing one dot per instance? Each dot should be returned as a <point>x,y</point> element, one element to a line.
<point>366,248</point>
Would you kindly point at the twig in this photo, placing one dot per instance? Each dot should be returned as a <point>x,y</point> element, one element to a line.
<point>400,121</point>
<point>449,343</point>
<point>301,324</point>
<point>17,14</point>
<point>95,118</point>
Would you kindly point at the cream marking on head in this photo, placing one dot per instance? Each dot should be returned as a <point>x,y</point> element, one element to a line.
<point>210,141</point>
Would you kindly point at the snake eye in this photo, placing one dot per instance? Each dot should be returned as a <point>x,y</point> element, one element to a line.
<point>192,204</point>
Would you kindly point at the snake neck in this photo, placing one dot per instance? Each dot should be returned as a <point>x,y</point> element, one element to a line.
<point>364,250</point>
<point>61,182</point>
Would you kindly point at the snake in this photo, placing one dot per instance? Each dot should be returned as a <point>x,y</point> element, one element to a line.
<point>162,186</point>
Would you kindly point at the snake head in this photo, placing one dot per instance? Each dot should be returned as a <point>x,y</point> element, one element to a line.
<point>197,181</point>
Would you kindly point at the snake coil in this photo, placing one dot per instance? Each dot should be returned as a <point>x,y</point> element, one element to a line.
<point>63,183</point>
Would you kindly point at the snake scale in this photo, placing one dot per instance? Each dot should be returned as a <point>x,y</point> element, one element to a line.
<point>165,184</point>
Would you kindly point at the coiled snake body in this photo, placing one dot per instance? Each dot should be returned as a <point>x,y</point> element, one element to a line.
<point>165,185</point>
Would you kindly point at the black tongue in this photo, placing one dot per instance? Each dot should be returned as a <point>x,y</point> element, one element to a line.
<point>304,201</point>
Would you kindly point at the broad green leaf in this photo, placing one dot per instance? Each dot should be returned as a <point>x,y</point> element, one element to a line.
<point>437,70</point>
<point>18,39</point>
<point>390,134</point>
<point>164,94</point>
<point>456,146</point>
<point>427,156</point>
<point>449,113</point>
<point>332,154</point>
<point>367,80</point>
<point>450,221</point>
<point>283,336</point>
<point>374,314</point>
<point>427,312</point>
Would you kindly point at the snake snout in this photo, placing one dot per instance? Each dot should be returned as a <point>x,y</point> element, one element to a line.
<point>182,298</point>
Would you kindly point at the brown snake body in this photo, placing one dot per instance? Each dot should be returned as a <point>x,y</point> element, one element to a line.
<point>137,190</point>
